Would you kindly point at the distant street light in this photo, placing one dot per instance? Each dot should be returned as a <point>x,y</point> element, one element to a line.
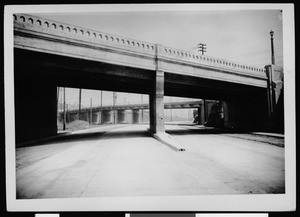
<point>272,48</point>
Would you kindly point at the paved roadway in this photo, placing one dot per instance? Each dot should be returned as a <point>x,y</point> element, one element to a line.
<point>126,161</point>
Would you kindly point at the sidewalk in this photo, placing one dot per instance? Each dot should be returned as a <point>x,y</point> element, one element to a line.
<point>269,134</point>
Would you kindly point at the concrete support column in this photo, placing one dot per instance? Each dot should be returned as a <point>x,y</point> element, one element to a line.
<point>99,117</point>
<point>205,115</point>
<point>275,85</point>
<point>232,119</point>
<point>135,116</point>
<point>156,101</point>
<point>227,123</point>
<point>121,116</point>
<point>199,115</point>
<point>107,116</point>
<point>275,97</point>
<point>94,118</point>
<point>156,98</point>
<point>85,117</point>
<point>203,112</point>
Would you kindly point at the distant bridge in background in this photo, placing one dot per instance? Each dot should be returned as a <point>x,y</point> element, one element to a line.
<point>105,114</point>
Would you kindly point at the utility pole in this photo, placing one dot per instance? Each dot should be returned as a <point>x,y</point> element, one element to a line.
<point>79,109</point>
<point>58,103</point>
<point>64,119</point>
<point>142,109</point>
<point>272,48</point>
<point>202,48</point>
<point>67,115</point>
<point>171,109</point>
<point>101,99</point>
<point>57,96</point>
<point>91,111</point>
<point>205,111</point>
<point>114,105</point>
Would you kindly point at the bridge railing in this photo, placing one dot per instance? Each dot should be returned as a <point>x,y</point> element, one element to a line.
<point>183,55</point>
<point>46,26</point>
<point>83,34</point>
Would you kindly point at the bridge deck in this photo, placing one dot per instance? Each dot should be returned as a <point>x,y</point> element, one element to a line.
<point>36,33</point>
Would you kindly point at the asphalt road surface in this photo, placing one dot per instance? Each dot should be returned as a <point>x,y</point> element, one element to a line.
<point>126,161</point>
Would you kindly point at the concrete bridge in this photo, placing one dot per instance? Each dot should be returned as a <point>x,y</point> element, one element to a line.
<point>105,114</point>
<point>49,54</point>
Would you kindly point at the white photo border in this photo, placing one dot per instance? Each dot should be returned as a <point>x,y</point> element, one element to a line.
<point>270,202</point>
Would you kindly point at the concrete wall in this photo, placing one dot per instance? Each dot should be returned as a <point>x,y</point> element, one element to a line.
<point>275,98</point>
<point>35,110</point>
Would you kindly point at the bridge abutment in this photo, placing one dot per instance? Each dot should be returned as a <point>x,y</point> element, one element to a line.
<point>275,97</point>
<point>35,110</point>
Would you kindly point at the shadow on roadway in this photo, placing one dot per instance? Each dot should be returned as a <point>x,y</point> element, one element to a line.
<point>89,136</point>
<point>203,130</point>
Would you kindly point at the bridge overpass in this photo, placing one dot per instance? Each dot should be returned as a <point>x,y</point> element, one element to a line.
<point>48,54</point>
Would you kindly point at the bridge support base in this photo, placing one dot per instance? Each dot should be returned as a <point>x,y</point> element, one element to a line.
<point>167,139</point>
<point>275,98</point>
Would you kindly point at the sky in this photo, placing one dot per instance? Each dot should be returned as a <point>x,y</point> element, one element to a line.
<point>241,36</point>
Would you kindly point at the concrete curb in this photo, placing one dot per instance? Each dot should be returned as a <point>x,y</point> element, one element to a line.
<point>277,135</point>
<point>167,139</point>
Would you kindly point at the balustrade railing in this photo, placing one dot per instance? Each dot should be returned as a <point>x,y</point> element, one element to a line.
<point>39,24</point>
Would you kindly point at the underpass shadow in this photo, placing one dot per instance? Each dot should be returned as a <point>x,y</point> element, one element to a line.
<point>87,136</point>
<point>63,138</point>
<point>203,130</point>
<point>128,134</point>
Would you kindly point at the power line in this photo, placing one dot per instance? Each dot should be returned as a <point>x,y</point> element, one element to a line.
<point>202,48</point>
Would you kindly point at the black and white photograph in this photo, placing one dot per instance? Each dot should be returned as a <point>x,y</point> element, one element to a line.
<point>179,107</point>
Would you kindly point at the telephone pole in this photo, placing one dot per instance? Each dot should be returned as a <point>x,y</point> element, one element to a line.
<point>64,119</point>
<point>142,109</point>
<point>114,105</point>
<point>202,48</point>
<point>101,99</point>
<point>79,109</point>
<point>91,111</point>
<point>171,109</point>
